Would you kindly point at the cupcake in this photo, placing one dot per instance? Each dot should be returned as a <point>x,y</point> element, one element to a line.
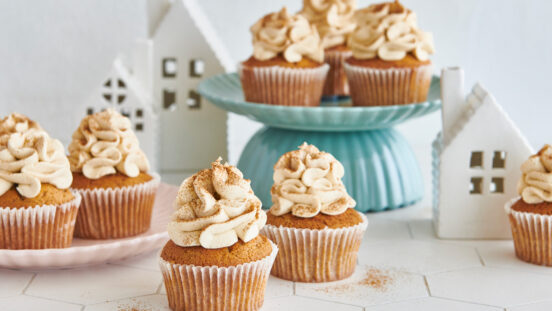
<point>110,173</point>
<point>37,208</point>
<point>287,64</point>
<point>531,214</point>
<point>216,259</point>
<point>312,219</point>
<point>390,63</point>
<point>334,21</point>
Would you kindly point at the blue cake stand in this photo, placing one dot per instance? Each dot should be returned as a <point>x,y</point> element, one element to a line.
<point>381,171</point>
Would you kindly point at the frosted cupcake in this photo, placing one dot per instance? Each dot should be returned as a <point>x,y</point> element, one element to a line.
<point>531,215</point>
<point>216,259</point>
<point>37,209</point>
<point>390,63</point>
<point>334,21</point>
<point>110,171</point>
<point>312,219</point>
<point>287,64</point>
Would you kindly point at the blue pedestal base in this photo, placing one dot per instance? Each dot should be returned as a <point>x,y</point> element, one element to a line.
<point>381,171</point>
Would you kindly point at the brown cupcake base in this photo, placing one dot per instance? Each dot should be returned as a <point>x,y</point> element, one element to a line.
<point>239,287</point>
<point>39,227</point>
<point>336,81</point>
<point>116,213</point>
<point>532,234</point>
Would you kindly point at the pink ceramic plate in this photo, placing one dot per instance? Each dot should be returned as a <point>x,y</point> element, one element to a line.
<point>90,252</point>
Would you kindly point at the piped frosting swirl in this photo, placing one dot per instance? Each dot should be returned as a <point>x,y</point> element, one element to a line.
<point>535,185</point>
<point>30,157</point>
<point>214,208</point>
<point>307,182</point>
<point>389,31</point>
<point>334,19</point>
<point>105,144</point>
<point>291,36</point>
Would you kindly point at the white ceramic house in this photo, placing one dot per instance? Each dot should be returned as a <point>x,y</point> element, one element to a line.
<point>125,92</point>
<point>186,49</point>
<point>476,162</point>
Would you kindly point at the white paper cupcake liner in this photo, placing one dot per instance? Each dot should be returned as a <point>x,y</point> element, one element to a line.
<point>108,213</point>
<point>532,234</point>
<point>39,227</point>
<point>383,87</point>
<point>336,80</point>
<point>238,287</point>
<point>283,86</point>
<point>312,255</point>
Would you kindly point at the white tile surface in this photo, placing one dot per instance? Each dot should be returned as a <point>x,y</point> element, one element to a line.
<point>503,255</point>
<point>491,286</point>
<point>301,304</point>
<point>384,229</point>
<point>149,303</point>
<point>94,284</point>
<point>419,256</point>
<point>539,306</point>
<point>362,290</point>
<point>21,302</point>
<point>276,287</point>
<point>431,304</point>
<point>12,282</point>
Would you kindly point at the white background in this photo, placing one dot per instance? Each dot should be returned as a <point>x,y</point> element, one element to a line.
<point>52,53</point>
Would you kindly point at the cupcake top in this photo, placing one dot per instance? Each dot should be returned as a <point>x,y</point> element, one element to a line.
<point>283,34</point>
<point>535,185</point>
<point>308,182</point>
<point>389,31</point>
<point>105,144</point>
<point>30,157</point>
<point>334,19</point>
<point>214,208</point>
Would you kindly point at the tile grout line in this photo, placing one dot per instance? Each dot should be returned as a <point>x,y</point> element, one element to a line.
<point>480,257</point>
<point>410,231</point>
<point>158,291</point>
<point>469,302</point>
<point>294,291</point>
<point>426,282</point>
<point>29,284</point>
<point>56,300</point>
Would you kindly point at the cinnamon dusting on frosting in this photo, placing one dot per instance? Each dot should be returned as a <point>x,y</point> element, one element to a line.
<point>334,19</point>
<point>307,182</point>
<point>214,208</point>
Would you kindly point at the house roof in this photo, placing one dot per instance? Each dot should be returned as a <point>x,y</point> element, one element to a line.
<point>477,98</point>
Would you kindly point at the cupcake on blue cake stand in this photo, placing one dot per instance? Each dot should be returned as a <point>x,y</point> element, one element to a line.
<point>381,171</point>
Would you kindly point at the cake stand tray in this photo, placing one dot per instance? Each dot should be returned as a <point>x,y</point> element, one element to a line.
<point>381,171</point>
<point>91,252</point>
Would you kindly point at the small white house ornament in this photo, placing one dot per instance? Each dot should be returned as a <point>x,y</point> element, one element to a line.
<point>476,161</point>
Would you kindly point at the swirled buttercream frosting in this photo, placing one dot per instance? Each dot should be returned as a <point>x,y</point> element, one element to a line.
<point>291,36</point>
<point>105,144</point>
<point>307,182</point>
<point>389,31</point>
<point>30,157</point>
<point>535,185</point>
<point>334,19</point>
<point>215,208</point>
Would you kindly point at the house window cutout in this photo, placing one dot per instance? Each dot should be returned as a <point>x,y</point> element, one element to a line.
<point>125,113</point>
<point>499,159</point>
<point>114,92</point>
<point>170,67</point>
<point>139,113</point>
<point>476,159</point>
<point>107,97</point>
<point>197,68</point>
<point>497,185</point>
<point>194,100</point>
<point>476,185</point>
<point>107,83</point>
<point>121,84</point>
<point>139,127</point>
<point>169,99</point>
<point>89,111</point>
<point>120,99</point>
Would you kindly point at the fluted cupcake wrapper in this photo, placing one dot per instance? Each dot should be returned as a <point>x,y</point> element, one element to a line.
<point>283,86</point>
<point>240,287</point>
<point>316,255</point>
<point>532,234</point>
<point>39,227</point>
<point>336,80</point>
<point>384,87</point>
<point>116,213</point>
